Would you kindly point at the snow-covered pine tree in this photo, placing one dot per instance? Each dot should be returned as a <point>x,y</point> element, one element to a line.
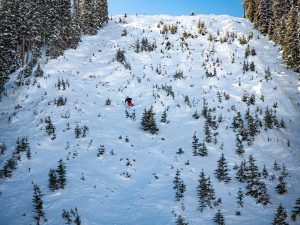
<point>202,150</point>
<point>240,197</point>
<point>237,121</point>
<point>241,172</point>
<point>280,216</point>
<point>72,216</point>
<point>50,128</point>
<point>263,196</point>
<point>88,23</point>
<point>207,132</point>
<point>179,186</point>
<point>250,7</point>
<point>101,13</point>
<point>53,180</point>
<point>296,210</point>
<point>239,150</point>
<point>279,17</point>
<point>180,221</point>
<point>3,148</point>
<point>281,186</point>
<point>265,173</point>
<point>219,218</point>
<point>247,51</point>
<point>202,191</point>
<point>38,205</point>
<point>8,43</point>
<point>276,167</point>
<point>195,144</point>
<point>38,72</point>
<point>263,15</point>
<point>221,172</point>
<point>205,192</point>
<point>252,177</point>
<point>211,196</point>
<point>101,151</point>
<point>61,174</point>
<point>77,131</point>
<point>9,166</point>
<point>164,117</point>
<point>291,43</point>
<point>148,121</point>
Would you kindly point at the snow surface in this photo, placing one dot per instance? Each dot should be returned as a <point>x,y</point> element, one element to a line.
<point>106,196</point>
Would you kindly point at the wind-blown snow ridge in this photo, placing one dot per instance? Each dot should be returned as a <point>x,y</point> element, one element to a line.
<point>98,186</point>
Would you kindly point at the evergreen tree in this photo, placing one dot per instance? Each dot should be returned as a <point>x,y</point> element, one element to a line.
<point>296,210</point>
<point>279,14</point>
<point>291,43</point>
<point>164,117</point>
<point>265,172</point>
<point>180,221</point>
<point>50,128</point>
<point>38,205</point>
<point>280,20</point>
<point>39,72</point>
<point>179,186</point>
<point>263,15</point>
<point>3,148</point>
<point>241,172</point>
<point>61,173</point>
<point>219,218</point>
<point>101,12</point>
<point>101,150</point>
<point>281,186</point>
<point>280,216</point>
<point>205,192</point>
<point>202,151</point>
<point>211,196</point>
<point>148,121</point>
<point>252,66</point>
<point>53,180</point>
<point>89,25</point>
<point>276,167</point>
<point>221,172</point>
<point>195,144</point>
<point>208,137</point>
<point>237,122</point>
<point>240,197</point>
<point>250,9</point>
<point>263,196</point>
<point>8,43</point>
<point>284,172</point>
<point>252,177</point>
<point>202,190</point>
<point>268,118</point>
<point>239,145</point>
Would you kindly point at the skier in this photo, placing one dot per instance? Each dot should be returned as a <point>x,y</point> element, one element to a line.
<point>128,100</point>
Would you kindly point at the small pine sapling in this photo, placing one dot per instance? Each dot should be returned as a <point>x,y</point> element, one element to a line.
<point>61,174</point>
<point>296,210</point>
<point>221,172</point>
<point>219,218</point>
<point>38,205</point>
<point>101,151</point>
<point>280,216</point>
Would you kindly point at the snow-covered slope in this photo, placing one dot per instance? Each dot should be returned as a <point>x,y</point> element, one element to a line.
<point>132,182</point>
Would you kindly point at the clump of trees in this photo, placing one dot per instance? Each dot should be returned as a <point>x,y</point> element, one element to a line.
<point>26,26</point>
<point>280,21</point>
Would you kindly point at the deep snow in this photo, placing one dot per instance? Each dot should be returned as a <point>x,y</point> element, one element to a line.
<point>105,195</point>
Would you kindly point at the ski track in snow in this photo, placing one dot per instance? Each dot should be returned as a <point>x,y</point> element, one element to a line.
<point>107,197</point>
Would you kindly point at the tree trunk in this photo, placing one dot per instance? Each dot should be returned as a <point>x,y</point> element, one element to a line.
<point>23,50</point>
<point>28,50</point>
